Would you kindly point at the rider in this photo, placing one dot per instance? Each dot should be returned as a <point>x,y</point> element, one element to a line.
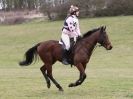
<point>70,31</point>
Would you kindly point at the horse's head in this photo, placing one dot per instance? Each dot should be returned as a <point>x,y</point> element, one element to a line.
<point>104,39</point>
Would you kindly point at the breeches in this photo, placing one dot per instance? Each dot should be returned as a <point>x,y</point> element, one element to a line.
<point>68,42</point>
<point>65,38</point>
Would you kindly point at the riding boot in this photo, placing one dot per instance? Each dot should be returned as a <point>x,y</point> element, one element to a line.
<point>65,57</point>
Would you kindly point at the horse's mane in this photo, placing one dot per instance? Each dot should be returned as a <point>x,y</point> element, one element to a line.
<point>90,32</point>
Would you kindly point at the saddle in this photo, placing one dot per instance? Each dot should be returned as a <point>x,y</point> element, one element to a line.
<point>67,55</point>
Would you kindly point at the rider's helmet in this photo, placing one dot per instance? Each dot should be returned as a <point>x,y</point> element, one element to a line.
<point>73,9</point>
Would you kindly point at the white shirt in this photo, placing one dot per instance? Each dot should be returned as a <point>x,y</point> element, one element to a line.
<point>71,26</point>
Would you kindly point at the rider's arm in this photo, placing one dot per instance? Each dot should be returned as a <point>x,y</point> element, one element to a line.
<point>78,28</point>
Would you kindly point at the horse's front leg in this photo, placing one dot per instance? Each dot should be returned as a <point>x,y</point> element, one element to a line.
<point>81,77</point>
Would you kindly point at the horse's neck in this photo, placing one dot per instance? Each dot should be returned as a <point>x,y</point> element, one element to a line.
<point>93,38</point>
<point>92,41</point>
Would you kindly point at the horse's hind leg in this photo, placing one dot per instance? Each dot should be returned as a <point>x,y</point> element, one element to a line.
<point>43,70</point>
<point>49,73</point>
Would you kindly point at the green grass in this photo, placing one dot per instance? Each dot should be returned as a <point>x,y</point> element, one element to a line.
<point>109,73</point>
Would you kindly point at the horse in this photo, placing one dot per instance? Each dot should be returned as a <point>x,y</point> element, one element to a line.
<point>51,51</point>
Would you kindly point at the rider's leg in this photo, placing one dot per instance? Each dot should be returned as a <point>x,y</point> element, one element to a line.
<point>65,38</point>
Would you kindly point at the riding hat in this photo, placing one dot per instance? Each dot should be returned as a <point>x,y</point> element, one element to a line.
<point>73,9</point>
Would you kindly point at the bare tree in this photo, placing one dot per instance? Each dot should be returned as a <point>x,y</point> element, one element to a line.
<point>46,8</point>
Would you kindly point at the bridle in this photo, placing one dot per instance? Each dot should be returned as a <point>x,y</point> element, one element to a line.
<point>102,39</point>
<point>102,42</point>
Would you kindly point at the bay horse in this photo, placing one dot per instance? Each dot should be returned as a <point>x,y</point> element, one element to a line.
<point>51,51</point>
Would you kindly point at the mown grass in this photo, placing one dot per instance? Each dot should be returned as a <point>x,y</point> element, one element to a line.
<point>109,73</point>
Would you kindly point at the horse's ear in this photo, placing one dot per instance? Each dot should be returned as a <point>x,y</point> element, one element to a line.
<point>104,28</point>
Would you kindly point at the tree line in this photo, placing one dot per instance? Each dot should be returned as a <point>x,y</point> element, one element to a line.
<point>57,9</point>
<point>10,5</point>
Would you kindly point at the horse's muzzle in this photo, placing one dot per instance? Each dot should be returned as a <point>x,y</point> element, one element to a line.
<point>109,47</point>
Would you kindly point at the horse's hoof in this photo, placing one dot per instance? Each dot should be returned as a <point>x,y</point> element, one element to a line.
<point>71,85</point>
<point>61,89</point>
<point>49,85</point>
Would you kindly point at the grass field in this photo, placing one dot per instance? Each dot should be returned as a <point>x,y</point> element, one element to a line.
<point>109,73</point>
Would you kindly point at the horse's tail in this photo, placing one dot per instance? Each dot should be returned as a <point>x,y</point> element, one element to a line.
<point>30,55</point>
